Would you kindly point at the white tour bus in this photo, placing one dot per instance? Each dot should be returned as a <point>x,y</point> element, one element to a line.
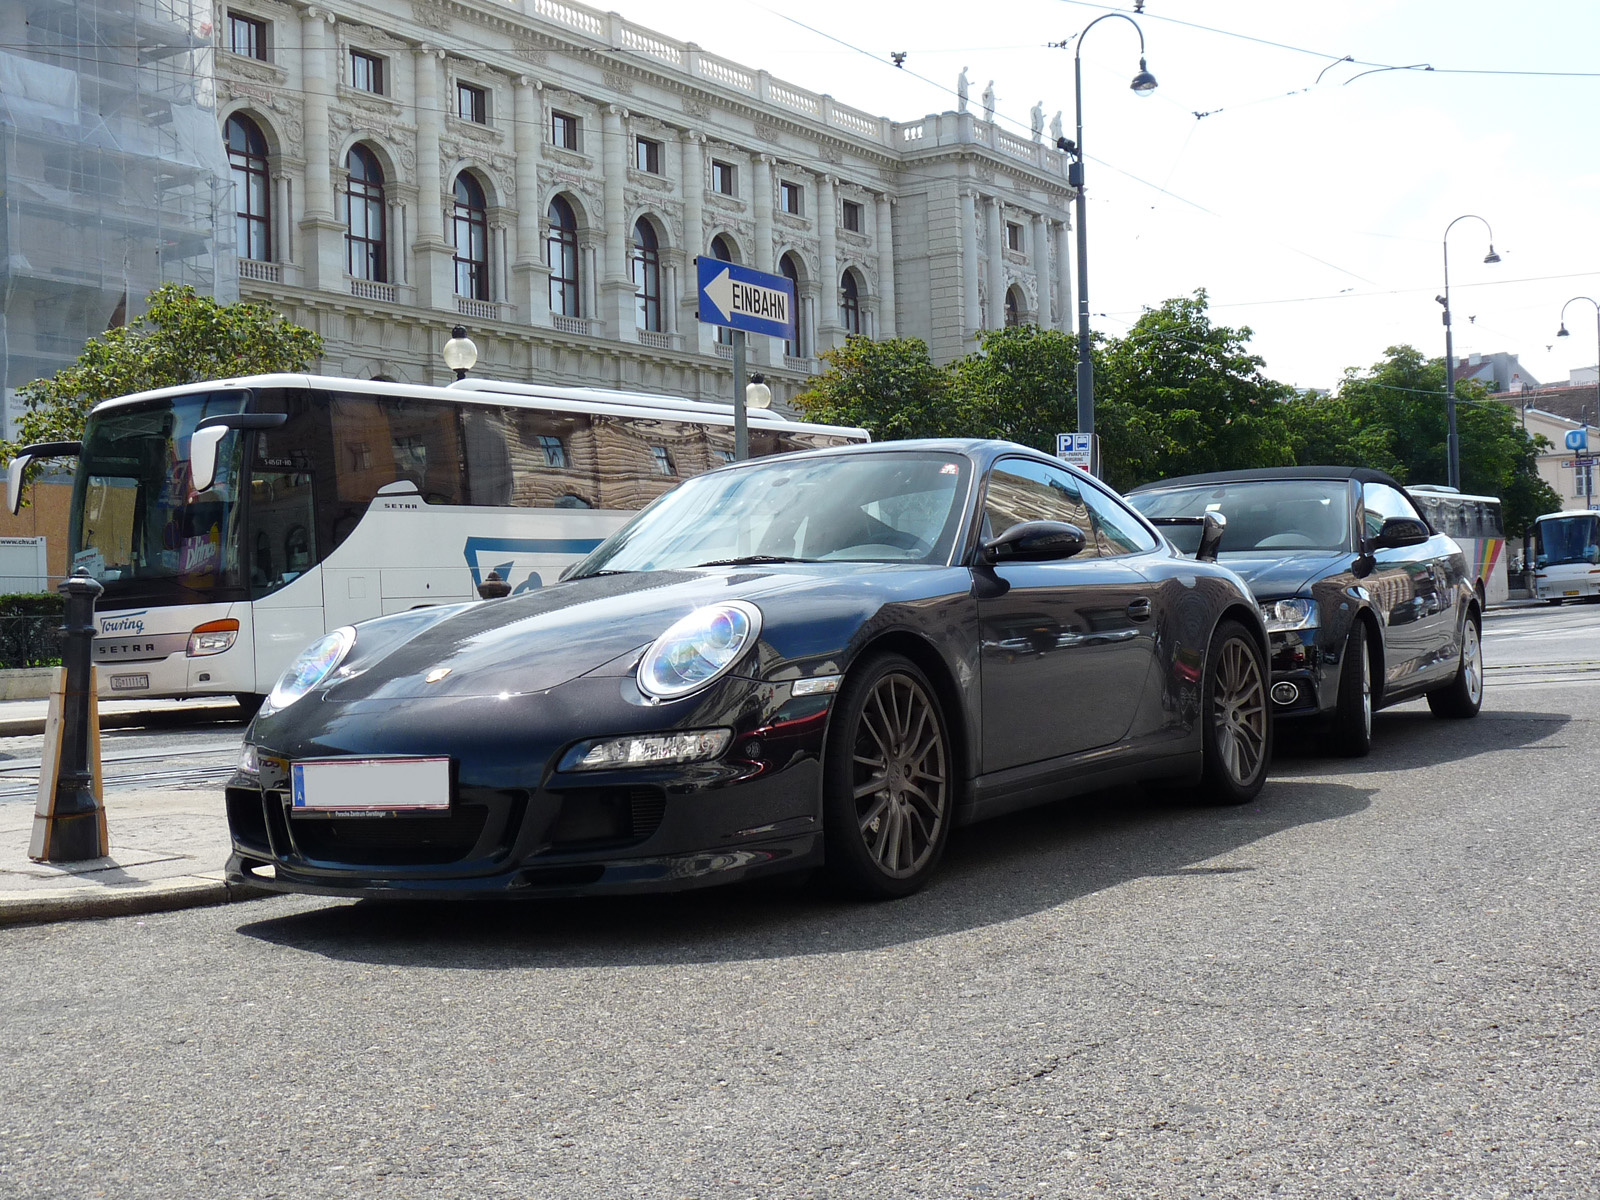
<point>1476,524</point>
<point>1564,549</point>
<point>325,501</point>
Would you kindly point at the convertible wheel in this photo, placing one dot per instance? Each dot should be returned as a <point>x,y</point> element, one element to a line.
<point>1352,719</point>
<point>1235,727</point>
<point>887,793</point>
<point>1463,695</point>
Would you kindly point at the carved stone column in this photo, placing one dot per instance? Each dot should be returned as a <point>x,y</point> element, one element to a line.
<point>693,172</point>
<point>1039,246</point>
<point>761,203</point>
<point>435,259</point>
<point>283,224</point>
<point>616,288</point>
<point>994,232</point>
<point>887,322</point>
<point>829,332</point>
<point>1064,312</point>
<point>531,275</point>
<point>322,226</point>
<point>971,315</point>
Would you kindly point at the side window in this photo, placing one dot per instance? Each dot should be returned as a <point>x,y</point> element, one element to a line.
<point>1023,490</point>
<point>1116,530</point>
<point>1382,502</point>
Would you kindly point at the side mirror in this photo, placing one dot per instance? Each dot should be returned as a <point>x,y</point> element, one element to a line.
<point>1034,541</point>
<point>1212,526</point>
<point>26,455</point>
<point>1397,532</point>
<point>208,436</point>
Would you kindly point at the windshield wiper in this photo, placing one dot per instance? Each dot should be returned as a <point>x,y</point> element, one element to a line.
<point>749,560</point>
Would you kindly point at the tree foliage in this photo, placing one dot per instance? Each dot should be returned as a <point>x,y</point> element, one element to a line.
<point>891,388</point>
<point>182,337</point>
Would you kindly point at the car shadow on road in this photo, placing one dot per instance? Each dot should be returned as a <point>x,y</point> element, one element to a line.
<point>1409,736</point>
<point>994,872</point>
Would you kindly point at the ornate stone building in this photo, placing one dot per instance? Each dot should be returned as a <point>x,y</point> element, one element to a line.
<point>546,173</point>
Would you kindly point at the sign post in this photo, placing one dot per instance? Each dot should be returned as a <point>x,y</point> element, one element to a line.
<point>1079,449</point>
<point>745,301</point>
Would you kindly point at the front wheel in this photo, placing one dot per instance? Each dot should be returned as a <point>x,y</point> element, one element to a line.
<point>1352,718</point>
<point>888,791</point>
<point>1463,696</point>
<point>1235,727</point>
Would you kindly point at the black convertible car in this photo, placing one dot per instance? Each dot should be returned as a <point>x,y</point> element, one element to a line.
<point>823,659</point>
<point>1367,605</point>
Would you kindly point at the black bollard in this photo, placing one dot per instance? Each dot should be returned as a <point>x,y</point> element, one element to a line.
<point>493,587</point>
<point>75,825</point>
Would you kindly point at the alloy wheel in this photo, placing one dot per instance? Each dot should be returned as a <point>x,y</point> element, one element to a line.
<point>1239,711</point>
<point>1472,663</point>
<point>900,776</point>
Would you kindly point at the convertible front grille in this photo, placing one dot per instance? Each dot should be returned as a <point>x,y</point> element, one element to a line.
<point>392,841</point>
<point>606,816</point>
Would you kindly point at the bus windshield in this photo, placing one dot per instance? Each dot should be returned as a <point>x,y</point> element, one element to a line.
<point>1568,539</point>
<point>137,524</point>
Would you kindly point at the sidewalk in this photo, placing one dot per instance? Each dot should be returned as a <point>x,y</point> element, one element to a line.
<point>168,845</point>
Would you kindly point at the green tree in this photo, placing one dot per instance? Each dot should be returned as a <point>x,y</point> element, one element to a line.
<point>1182,395</point>
<point>890,388</point>
<point>182,337</point>
<point>1020,385</point>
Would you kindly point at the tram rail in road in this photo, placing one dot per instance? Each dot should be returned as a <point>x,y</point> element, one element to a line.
<point>20,777</point>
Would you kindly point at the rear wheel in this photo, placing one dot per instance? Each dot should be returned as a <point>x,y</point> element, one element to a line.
<point>887,781</point>
<point>1235,727</point>
<point>1463,696</point>
<point>1352,719</point>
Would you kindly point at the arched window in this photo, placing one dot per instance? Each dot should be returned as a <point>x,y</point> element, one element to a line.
<point>366,243</point>
<point>252,188</point>
<point>849,304</point>
<point>646,265</point>
<point>1013,310</point>
<point>470,233</point>
<point>562,248</point>
<point>794,348</point>
<point>723,249</point>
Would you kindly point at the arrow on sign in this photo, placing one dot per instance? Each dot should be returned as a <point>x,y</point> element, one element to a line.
<point>747,299</point>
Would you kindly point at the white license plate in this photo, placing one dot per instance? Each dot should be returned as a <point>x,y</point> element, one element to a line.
<point>130,683</point>
<point>370,785</point>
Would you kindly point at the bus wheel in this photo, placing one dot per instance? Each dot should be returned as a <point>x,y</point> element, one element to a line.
<point>1553,600</point>
<point>249,702</point>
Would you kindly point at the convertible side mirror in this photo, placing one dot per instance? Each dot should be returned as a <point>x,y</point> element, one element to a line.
<point>1034,541</point>
<point>1397,532</point>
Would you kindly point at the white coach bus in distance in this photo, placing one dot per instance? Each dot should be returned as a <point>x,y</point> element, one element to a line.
<point>1565,552</point>
<point>1476,524</point>
<point>326,501</point>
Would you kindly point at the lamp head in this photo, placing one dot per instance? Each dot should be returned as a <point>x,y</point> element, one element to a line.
<point>1067,146</point>
<point>1491,257</point>
<point>1562,332</point>
<point>756,393</point>
<point>1143,83</point>
<point>460,353</point>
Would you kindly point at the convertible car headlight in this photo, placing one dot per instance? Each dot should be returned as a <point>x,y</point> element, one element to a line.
<point>1282,616</point>
<point>647,750</point>
<point>697,649</point>
<point>314,665</point>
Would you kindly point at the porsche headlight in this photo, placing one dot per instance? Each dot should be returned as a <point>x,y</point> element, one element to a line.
<point>698,648</point>
<point>1282,616</point>
<point>314,665</point>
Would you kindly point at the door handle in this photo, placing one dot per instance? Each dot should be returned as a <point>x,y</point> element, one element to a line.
<point>1139,609</point>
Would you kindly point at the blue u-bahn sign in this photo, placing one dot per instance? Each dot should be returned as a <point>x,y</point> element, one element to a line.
<point>742,298</point>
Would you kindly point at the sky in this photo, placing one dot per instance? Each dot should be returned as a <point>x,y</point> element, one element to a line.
<point>1310,204</point>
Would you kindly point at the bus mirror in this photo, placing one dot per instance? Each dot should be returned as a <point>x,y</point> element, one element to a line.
<point>203,456</point>
<point>26,455</point>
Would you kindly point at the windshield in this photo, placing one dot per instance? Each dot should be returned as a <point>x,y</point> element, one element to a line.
<point>137,524</point>
<point>876,507</point>
<point>1263,515</point>
<point>1567,540</point>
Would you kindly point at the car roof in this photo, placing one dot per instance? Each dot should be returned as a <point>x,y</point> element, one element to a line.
<point>1265,474</point>
<point>983,451</point>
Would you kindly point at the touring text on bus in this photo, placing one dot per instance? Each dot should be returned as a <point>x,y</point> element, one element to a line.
<point>331,501</point>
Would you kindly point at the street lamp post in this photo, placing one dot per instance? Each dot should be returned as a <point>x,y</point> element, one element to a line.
<point>1588,471</point>
<point>1452,441</point>
<point>460,353</point>
<point>1143,84</point>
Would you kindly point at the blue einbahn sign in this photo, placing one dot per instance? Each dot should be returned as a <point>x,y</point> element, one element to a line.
<point>742,298</point>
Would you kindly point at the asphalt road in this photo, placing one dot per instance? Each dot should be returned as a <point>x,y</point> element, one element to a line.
<point>1378,980</point>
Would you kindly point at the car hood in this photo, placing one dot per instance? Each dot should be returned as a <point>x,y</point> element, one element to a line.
<point>542,639</point>
<point>1276,576</point>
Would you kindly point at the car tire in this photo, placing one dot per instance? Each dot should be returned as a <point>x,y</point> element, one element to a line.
<point>1462,697</point>
<point>1352,716</point>
<point>887,728</point>
<point>1235,723</point>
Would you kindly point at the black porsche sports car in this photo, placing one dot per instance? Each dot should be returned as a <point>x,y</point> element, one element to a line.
<point>822,659</point>
<point>1367,605</point>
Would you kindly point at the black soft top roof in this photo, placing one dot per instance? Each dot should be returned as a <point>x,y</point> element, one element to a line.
<point>1358,474</point>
